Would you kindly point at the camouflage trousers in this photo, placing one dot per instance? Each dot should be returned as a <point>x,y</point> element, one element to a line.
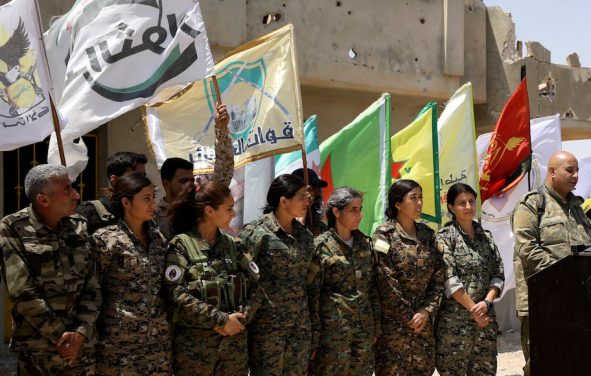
<point>525,343</point>
<point>276,348</point>
<point>50,364</point>
<point>343,350</point>
<point>400,351</point>
<point>131,359</point>
<point>462,347</point>
<point>199,352</point>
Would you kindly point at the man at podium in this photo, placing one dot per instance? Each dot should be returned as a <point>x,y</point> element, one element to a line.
<point>546,222</point>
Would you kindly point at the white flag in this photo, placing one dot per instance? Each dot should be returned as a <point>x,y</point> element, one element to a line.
<point>25,111</point>
<point>582,150</point>
<point>496,211</point>
<point>109,57</point>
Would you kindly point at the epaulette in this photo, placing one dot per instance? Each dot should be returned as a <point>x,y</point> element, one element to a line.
<point>321,238</point>
<point>529,194</point>
<point>425,227</point>
<point>387,226</point>
<point>78,217</point>
<point>15,217</point>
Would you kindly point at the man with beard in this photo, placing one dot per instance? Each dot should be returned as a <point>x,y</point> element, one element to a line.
<point>50,276</point>
<point>546,223</point>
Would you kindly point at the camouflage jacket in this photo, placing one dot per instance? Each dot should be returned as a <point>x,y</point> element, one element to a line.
<point>284,261</point>
<point>318,225</point>
<point>538,244</point>
<point>162,219</point>
<point>192,283</point>
<point>223,171</point>
<point>409,273</point>
<point>131,277</point>
<point>223,168</point>
<point>343,290</point>
<point>474,265</point>
<point>97,218</point>
<point>51,280</point>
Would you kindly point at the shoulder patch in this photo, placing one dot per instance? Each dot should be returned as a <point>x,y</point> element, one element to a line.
<point>381,245</point>
<point>253,267</point>
<point>173,273</point>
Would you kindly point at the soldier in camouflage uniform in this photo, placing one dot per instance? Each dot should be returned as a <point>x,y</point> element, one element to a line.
<point>546,223</point>
<point>317,225</point>
<point>279,337</point>
<point>51,279</point>
<point>99,212</point>
<point>410,283</point>
<point>343,298</point>
<point>177,173</point>
<point>466,329</point>
<point>134,334</point>
<point>211,282</point>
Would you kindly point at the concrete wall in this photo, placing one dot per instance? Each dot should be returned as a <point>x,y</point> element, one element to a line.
<point>418,51</point>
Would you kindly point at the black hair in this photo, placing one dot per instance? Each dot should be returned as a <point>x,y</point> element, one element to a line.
<point>186,212</point>
<point>170,166</point>
<point>285,185</point>
<point>120,162</point>
<point>127,186</point>
<point>454,191</point>
<point>396,194</point>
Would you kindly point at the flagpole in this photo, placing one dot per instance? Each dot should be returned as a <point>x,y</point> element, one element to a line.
<point>531,151</point>
<point>217,89</point>
<point>308,219</point>
<point>58,132</point>
<point>56,120</point>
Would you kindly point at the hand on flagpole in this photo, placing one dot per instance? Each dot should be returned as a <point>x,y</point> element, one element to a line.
<point>222,118</point>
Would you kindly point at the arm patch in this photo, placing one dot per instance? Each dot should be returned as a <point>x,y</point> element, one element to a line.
<point>381,245</point>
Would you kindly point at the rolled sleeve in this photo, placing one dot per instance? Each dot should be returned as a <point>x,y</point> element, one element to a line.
<point>497,283</point>
<point>452,285</point>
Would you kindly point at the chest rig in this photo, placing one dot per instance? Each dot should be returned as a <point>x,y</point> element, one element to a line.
<point>215,279</point>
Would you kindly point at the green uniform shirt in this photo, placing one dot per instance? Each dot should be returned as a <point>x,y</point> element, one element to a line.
<point>343,289</point>
<point>539,244</point>
<point>410,273</point>
<point>51,280</point>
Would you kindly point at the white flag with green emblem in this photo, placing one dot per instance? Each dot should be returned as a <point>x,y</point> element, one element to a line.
<point>108,57</point>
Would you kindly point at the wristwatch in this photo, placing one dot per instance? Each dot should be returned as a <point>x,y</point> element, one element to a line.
<point>489,305</point>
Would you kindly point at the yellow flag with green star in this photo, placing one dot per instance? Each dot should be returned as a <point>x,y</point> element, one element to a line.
<point>415,157</point>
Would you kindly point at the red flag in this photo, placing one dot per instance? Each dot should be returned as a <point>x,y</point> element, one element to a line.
<point>509,152</point>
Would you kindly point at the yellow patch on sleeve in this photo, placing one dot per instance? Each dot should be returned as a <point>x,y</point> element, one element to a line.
<point>381,245</point>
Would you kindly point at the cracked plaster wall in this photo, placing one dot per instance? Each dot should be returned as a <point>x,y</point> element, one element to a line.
<point>571,94</point>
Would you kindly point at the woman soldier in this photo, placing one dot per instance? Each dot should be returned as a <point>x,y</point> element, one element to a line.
<point>135,337</point>
<point>466,329</point>
<point>344,301</point>
<point>279,336</point>
<point>410,282</point>
<point>207,277</point>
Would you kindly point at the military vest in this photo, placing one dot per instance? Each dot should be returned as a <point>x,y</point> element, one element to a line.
<point>104,214</point>
<point>215,281</point>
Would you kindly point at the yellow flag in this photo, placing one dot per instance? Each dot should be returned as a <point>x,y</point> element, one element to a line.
<point>414,156</point>
<point>259,85</point>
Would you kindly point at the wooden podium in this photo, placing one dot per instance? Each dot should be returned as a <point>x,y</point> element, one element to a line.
<point>560,317</point>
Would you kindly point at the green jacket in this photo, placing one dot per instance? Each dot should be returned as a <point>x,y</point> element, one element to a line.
<point>343,289</point>
<point>51,280</point>
<point>540,243</point>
